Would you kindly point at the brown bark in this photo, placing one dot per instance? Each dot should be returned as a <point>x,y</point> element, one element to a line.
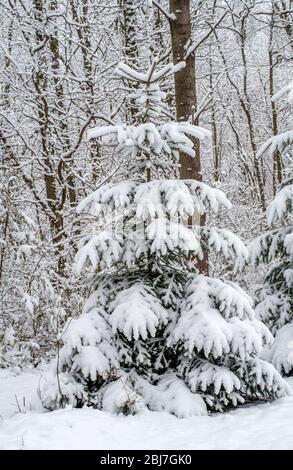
<point>277,158</point>
<point>40,83</point>
<point>216,151</point>
<point>185,95</point>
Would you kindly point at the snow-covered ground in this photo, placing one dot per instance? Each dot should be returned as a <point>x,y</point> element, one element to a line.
<point>25,425</point>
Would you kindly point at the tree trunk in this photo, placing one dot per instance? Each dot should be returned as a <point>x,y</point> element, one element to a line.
<point>131,51</point>
<point>185,96</point>
<point>277,158</point>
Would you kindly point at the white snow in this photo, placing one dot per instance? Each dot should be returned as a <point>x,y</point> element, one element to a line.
<point>202,326</point>
<point>136,312</point>
<point>151,76</point>
<point>284,91</point>
<point>281,352</point>
<point>262,426</point>
<point>279,206</point>
<point>173,396</point>
<point>170,137</point>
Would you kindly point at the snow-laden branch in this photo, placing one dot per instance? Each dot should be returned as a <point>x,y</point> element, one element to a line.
<point>167,137</point>
<point>191,48</point>
<point>151,76</point>
<point>281,141</point>
<point>277,142</point>
<point>166,13</point>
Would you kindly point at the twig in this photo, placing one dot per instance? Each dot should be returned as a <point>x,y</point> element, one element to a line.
<point>17,403</point>
<point>169,16</point>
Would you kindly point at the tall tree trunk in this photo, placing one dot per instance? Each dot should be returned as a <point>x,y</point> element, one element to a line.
<point>216,150</point>
<point>131,50</point>
<point>130,37</point>
<point>185,96</point>
<point>41,85</point>
<point>277,158</point>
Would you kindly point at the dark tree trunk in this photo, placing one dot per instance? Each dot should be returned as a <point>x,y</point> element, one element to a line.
<point>185,94</point>
<point>277,157</point>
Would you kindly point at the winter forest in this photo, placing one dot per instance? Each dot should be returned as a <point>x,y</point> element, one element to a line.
<point>146,228</point>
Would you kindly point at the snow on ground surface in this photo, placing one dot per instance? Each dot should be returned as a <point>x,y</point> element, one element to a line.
<point>25,425</point>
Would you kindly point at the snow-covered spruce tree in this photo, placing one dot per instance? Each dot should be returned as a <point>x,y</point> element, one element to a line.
<point>155,332</point>
<point>275,247</point>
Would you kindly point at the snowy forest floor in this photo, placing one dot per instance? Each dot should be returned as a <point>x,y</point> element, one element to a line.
<point>24,424</point>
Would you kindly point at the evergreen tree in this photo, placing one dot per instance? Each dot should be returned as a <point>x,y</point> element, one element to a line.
<point>275,247</point>
<point>154,331</point>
